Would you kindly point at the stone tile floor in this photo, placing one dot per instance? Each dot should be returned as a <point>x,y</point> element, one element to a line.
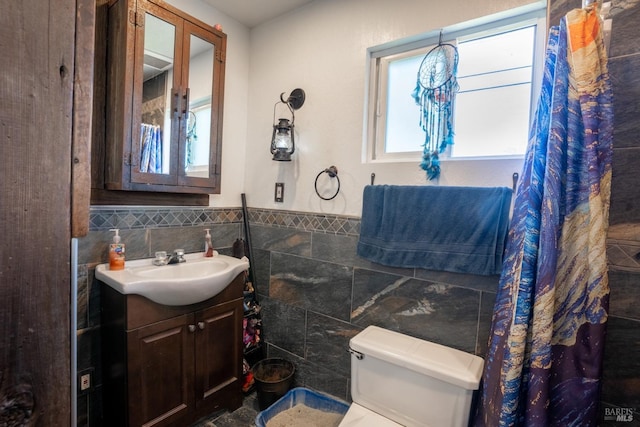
<point>244,416</point>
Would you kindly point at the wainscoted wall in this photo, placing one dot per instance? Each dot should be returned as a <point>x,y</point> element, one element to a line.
<point>621,375</point>
<point>316,293</point>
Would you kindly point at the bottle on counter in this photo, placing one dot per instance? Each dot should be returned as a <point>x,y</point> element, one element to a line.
<point>208,245</point>
<point>116,252</point>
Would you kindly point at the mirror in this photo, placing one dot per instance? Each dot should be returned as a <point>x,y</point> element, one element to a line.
<point>198,133</point>
<point>155,124</point>
<point>160,117</point>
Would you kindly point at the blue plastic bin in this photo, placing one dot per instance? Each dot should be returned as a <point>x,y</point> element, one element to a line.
<point>301,396</point>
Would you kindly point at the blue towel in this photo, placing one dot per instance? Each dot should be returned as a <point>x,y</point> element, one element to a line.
<point>457,229</point>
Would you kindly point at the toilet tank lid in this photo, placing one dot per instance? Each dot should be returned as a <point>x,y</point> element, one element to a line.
<point>444,363</point>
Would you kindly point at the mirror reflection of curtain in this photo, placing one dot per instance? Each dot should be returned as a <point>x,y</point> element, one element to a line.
<point>154,101</point>
<point>150,148</point>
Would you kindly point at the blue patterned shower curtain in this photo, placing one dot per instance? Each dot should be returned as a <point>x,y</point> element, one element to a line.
<point>151,148</point>
<point>544,361</point>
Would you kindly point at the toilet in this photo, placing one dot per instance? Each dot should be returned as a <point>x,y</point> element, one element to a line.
<point>398,380</point>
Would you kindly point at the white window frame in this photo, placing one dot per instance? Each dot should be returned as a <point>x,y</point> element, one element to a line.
<point>378,57</point>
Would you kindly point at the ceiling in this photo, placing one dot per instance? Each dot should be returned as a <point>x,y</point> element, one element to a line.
<point>254,12</point>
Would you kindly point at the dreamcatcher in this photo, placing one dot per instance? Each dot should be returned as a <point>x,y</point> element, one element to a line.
<point>435,92</point>
<point>191,140</point>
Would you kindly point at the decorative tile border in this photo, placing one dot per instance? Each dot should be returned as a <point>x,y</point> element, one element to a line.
<point>104,218</point>
<point>623,240</point>
<point>322,223</point>
<point>142,217</point>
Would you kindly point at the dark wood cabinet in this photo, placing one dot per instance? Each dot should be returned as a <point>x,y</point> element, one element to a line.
<point>218,356</point>
<point>169,366</point>
<point>160,371</point>
<point>165,91</point>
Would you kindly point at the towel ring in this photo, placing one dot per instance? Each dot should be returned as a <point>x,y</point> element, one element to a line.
<point>332,171</point>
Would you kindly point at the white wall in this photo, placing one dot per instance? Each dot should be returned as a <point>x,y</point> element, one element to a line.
<point>322,49</point>
<point>235,123</point>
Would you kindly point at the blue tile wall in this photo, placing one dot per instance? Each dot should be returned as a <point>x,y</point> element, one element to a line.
<point>317,294</point>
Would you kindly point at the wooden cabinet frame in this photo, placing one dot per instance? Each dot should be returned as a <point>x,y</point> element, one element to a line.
<point>123,100</point>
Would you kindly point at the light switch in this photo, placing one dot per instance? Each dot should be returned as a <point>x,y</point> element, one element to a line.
<point>279,193</point>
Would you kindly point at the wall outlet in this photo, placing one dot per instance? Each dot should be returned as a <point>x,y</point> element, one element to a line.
<point>279,193</point>
<point>85,380</point>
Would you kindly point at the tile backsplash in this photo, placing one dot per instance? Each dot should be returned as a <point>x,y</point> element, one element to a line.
<point>105,218</point>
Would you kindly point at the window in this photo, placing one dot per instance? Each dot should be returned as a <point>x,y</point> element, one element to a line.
<point>500,63</point>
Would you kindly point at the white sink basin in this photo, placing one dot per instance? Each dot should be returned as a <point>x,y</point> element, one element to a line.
<point>197,279</point>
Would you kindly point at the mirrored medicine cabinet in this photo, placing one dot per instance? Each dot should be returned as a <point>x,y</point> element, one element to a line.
<point>165,81</point>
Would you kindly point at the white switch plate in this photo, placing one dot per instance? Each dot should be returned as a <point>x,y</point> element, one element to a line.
<point>85,382</point>
<point>279,192</point>
<point>85,379</point>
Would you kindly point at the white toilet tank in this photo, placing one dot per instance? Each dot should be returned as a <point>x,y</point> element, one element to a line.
<point>411,381</point>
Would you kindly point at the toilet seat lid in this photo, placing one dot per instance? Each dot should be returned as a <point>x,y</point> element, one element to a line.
<point>359,416</point>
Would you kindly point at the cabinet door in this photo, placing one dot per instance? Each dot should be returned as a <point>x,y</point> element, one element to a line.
<point>176,127</point>
<point>157,95</point>
<point>219,356</point>
<point>161,372</point>
<point>201,128</point>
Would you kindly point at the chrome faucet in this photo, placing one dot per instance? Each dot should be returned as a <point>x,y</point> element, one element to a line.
<point>177,257</point>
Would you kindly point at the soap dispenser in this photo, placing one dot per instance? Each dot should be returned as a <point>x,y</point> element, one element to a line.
<point>116,252</point>
<point>208,245</point>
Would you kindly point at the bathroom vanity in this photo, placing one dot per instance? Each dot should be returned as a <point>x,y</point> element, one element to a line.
<point>170,365</point>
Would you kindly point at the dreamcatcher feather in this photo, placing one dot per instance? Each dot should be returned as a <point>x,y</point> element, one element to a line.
<point>435,92</point>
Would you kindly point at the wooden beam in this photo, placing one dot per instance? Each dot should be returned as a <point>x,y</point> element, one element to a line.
<point>82,118</point>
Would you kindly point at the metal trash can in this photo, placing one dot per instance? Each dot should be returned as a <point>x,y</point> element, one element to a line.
<point>273,378</point>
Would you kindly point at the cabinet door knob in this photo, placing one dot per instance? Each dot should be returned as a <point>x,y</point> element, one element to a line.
<point>201,325</point>
<point>192,328</point>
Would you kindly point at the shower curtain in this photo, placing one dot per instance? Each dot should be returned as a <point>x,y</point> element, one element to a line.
<point>544,361</point>
<point>151,148</point>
